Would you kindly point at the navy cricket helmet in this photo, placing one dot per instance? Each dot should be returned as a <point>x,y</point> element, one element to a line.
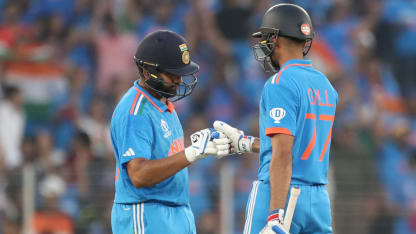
<point>285,20</point>
<point>166,51</point>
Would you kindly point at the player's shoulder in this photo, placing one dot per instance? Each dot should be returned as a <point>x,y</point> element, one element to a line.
<point>321,75</point>
<point>286,76</point>
<point>133,104</point>
<point>325,81</point>
<point>282,80</point>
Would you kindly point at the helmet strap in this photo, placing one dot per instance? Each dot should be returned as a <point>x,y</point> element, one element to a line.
<point>307,47</point>
<point>156,84</point>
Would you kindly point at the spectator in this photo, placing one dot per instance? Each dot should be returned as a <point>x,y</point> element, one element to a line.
<point>166,14</point>
<point>78,161</point>
<point>12,124</point>
<point>50,219</point>
<point>67,106</point>
<point>112,43</point>
<point>50,158</point>
<point>95,124</point>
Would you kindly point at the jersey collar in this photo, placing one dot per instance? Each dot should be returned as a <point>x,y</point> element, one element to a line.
<point>297,61</point>
<point>154,101</point>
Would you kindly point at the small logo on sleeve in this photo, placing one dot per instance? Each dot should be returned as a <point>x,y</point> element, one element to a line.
<point>129,152</point>
<point>277,114</point>
<point>165,128</point>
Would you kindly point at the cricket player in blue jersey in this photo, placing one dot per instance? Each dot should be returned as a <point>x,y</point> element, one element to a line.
<point>151,179</point>
<point>297,110</point>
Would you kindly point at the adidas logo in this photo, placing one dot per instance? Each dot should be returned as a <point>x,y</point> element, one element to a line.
<point>129,152</point>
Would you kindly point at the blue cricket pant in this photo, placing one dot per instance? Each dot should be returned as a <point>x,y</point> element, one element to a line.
<point>152,218</point>
<point>312,212</point>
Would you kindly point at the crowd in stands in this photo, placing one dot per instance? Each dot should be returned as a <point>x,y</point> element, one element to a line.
<point>64,64</point>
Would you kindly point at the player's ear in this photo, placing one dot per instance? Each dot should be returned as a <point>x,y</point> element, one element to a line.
<point>277,45</point>
<point>278,42</point>
<point>145,73</point>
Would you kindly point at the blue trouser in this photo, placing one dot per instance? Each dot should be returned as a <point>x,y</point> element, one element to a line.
<point>152,218</point>
<point>312,212</point>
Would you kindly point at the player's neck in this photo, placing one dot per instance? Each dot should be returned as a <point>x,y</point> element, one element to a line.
<point>286,56</point>
<point>164,100</point>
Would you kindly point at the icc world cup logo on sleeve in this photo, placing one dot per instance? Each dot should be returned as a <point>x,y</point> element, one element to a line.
<point>277,114</point>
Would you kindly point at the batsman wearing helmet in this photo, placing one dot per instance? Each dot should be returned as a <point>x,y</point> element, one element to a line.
<point>297,110</point>
<point>151,179</point>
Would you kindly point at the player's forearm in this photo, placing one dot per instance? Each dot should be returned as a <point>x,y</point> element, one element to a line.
<point>146,173</point>
<point>280,176</point>
<point>256,145</point>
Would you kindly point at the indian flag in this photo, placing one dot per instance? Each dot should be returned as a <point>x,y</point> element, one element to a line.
<point>39,78</point>
<point>183,47</point>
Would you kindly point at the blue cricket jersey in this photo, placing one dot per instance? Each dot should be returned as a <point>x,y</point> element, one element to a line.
<point>143,127</point>
<point>298,101</point>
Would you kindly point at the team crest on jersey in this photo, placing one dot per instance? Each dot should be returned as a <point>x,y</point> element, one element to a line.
<point>165,128</point>
<point>277,114</point>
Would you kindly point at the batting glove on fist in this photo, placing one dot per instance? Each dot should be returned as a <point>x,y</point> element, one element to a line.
<point>203,144</point>
<point>240,143</point>
<point>274,223</point>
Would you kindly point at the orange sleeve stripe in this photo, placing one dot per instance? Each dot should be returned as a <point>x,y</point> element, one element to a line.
<point>326,117</point>
<point>118,173</point>
<point>277,130</point>
<point>310,116</point>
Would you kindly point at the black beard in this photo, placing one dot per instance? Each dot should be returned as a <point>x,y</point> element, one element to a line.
<point>275,65</point>
<point>158,85</point>
<point>171,88</point>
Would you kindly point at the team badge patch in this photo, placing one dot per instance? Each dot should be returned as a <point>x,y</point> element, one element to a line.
<point>305,29</point>
<point>165,128</point>
<point>183,47</point>
<point>277,114</point>
<point>185,57</point>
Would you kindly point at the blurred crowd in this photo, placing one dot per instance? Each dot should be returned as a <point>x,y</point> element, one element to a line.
<point>64,64</point>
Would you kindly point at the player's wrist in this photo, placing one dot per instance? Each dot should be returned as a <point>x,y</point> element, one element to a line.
<point>245,144</point>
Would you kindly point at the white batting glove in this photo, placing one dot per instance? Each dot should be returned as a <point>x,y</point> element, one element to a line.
<point>240,143</point>
<point>274,223</point>
<point>202,145</point>
<point>223,145</point>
